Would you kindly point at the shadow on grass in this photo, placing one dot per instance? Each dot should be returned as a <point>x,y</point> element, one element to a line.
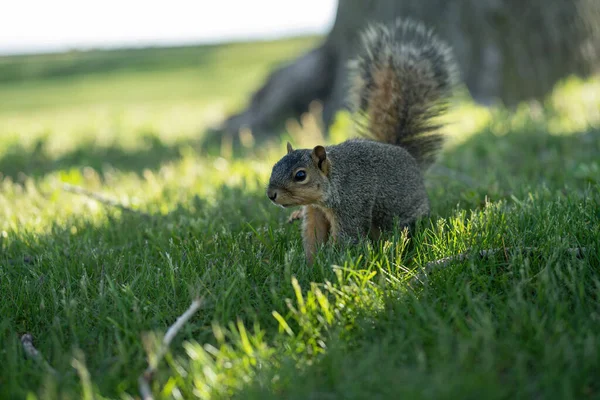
<point>489,167</point>
<point>18,162</point>
<point>98,286</point>
<point>494,328</point>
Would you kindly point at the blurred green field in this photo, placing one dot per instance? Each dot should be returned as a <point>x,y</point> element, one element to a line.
<point>89,281</point>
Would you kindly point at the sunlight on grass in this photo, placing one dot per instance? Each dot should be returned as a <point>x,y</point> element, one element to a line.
<point>87,279</point>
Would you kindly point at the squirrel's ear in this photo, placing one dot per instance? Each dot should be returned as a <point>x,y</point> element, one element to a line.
<point>289,147</point>
<point>319,156</point>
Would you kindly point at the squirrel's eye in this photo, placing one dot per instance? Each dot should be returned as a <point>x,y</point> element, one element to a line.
<point>300,176</point>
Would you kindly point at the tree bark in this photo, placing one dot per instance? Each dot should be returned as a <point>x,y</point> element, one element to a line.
<point>508,51</point>
<point>288,91</point>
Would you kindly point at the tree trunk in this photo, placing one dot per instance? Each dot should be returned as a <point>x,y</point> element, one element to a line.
<point>507,51</point>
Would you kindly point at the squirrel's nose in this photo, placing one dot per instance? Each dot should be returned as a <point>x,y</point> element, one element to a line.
<point>272,193</point>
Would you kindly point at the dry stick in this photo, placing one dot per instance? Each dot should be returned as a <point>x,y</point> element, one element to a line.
<point>100,198</point>
<point>145,379</point>
<point>33,353</point>
<point>483,254</point>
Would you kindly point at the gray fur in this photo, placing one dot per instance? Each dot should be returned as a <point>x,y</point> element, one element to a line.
<point>362,184</point>
<point>425,76</point>
<point>371,184</point>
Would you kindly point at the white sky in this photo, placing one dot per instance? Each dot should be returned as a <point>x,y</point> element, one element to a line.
<point>50,25</point>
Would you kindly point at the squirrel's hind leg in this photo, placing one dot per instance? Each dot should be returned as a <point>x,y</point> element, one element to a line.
<point>353,228</point>
<point>375,232</point>
<point>315,231</point>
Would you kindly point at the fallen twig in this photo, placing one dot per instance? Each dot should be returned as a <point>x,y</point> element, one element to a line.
<point>483,254</point>
<point>100,198</point>
<point>34,354</point>
<point>146,378</point>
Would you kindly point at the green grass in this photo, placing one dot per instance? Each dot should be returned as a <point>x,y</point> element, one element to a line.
<point>90,281</point>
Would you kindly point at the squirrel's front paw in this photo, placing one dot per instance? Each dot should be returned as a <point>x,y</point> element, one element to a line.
<point>296,215</point>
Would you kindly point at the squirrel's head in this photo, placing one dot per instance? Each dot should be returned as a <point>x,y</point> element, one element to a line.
<point>300,177</point>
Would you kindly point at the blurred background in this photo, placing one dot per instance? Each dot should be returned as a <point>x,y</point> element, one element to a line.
<point>63,25</point>
<point>131,84</point>
<point>127,83</point>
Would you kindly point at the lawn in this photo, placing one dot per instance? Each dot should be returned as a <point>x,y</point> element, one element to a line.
<point>97,285</point>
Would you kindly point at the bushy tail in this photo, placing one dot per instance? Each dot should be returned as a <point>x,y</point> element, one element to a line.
<point>401,82</point>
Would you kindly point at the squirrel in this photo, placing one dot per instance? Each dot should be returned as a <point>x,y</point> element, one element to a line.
<point>401,80</point>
